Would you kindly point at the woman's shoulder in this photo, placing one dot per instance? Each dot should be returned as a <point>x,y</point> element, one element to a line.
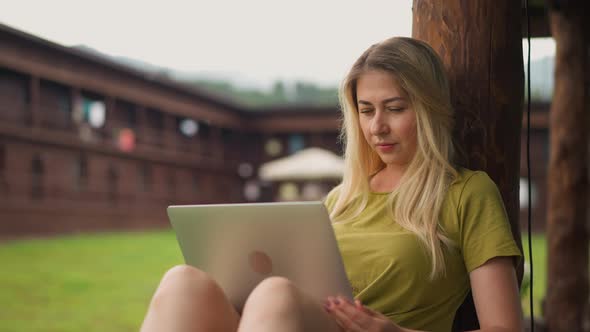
<point>469,184</point>
<point>332,197</point>
<point>470,179</point>
<point>473,203</point>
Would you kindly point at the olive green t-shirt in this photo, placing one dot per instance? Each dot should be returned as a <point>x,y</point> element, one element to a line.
<point>389,268</point>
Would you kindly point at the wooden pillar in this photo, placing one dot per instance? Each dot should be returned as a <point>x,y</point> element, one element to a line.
<point>567,215</point>
<point>480,44</point>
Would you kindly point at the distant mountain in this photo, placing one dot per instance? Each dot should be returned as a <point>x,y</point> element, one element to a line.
<point>178,75</point>
<point>233,86</point>
<point>158,71</point>
<point>240,89</point>
<point>138,65</point>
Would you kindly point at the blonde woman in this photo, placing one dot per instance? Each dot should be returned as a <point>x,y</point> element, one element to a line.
<point>416,232</point>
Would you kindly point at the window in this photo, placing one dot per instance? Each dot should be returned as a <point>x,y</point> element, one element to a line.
<point>155,119</point>
<point>55,104</point>
<point>145,177</point>
<point>112,183</point>
<point>204,130</point>
<point>81,172</point>
<point>37,172</point>
<point>27,91</point>
<point>64,103</point>
<point>226,135</point>
<point>296,143</point>
<point>124,114</point>
<point>14,87</point>
<point>131,116</point>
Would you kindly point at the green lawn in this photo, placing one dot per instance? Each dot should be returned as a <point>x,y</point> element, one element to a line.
<point>539,273</point>
<point>103,282</point>
<point>87,283</point>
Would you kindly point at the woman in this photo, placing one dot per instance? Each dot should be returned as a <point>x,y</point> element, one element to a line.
<point>415,231</point>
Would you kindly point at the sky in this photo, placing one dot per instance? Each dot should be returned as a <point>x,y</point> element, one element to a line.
<point>248,42</point>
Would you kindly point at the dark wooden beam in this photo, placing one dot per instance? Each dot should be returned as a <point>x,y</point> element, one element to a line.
<point>480,44</point>
<point>539,19</point>
<point>568,183</point>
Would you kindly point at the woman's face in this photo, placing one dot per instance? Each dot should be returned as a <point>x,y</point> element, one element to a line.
<point>386,117</point>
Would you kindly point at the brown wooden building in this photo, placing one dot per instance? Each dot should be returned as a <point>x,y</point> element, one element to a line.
<point>61,169</point>
<point>89,144</point>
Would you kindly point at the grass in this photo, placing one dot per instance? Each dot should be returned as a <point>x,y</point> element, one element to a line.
<point>103,282</point>
<point>539,244</point>
<point>100,282</point>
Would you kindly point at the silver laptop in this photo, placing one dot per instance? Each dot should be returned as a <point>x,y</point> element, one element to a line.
<point>239,245</point>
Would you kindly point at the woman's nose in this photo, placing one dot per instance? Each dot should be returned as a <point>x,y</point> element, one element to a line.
<point>379,125</point>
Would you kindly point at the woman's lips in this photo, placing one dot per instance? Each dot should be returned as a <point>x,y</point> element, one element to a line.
<point>385,147</point>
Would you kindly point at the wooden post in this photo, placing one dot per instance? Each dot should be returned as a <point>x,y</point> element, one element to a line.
<point>567,215</point>
<point>480,44</point>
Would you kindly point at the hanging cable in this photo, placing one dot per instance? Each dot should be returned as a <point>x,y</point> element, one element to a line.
<point>528,160</point>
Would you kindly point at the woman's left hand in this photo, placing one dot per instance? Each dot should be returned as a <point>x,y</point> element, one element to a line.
<point>354,317</point>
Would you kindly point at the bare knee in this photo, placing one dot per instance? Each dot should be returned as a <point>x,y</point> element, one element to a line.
<point>275,286</point>
<point>276,296</point>
<point>184,273</point>
<point>186,281</point>
<point>188,299</point>
<point>276,304</point>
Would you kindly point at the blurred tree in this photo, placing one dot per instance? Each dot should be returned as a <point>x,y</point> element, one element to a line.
<point>281,93</point>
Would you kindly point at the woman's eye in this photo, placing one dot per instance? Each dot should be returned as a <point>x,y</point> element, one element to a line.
<point>366,110</point>
<point>395,109</point>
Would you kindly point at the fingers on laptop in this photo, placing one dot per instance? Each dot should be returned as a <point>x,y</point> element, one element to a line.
<point>353,316</point>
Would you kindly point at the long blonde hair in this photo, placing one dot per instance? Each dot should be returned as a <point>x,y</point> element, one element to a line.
<point>416,202</point>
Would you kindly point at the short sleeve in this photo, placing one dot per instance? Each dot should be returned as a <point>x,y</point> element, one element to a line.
<point>485,229</point>
<point>331,198</point>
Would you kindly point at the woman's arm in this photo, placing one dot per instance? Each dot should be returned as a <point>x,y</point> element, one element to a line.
<point>495,294</point>
<point>496,297</point>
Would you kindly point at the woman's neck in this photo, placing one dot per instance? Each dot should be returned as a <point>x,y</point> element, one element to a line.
<point>386,180</point>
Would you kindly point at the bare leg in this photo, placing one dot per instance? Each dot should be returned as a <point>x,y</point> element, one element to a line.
<point>276,304</point>
<point>189,300</point>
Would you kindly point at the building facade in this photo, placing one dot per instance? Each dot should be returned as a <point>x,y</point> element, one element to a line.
<point>88,144</point>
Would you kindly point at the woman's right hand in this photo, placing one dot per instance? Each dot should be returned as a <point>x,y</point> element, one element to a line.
<point>354,317</point>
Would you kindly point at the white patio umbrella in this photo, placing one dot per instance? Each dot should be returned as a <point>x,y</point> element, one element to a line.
<point>307,164</point>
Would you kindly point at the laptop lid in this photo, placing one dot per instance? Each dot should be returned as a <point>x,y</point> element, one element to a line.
<point>239,245</point>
